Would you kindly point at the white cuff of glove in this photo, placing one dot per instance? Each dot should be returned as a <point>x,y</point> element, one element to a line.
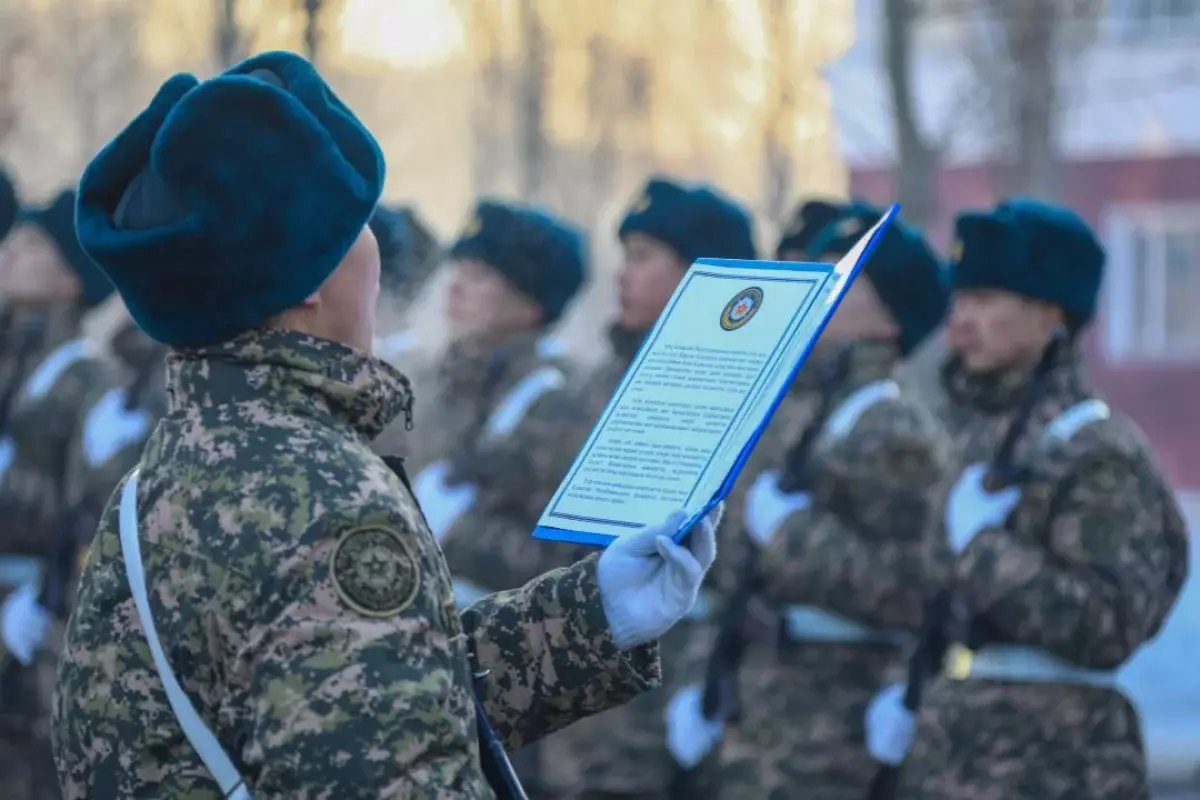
<point>647,582</point>
<point>441,504</point>
<point>690,736</point>
<point>23,623</point>
<point>767,507</point>
<point>891,727</point>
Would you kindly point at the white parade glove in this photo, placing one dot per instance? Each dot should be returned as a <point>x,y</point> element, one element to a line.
<point>890,726</point>
<point>767,507</point>
<point>971,508</point>
<point>691,737</point>
<point>23,623</point>
<point>647,582</point>
<point>442,504</point>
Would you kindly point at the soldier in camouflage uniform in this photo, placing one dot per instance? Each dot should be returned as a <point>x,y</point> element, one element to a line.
<point>264,608</point>
<point>843,528</point>
<point>49,284</point>
<point>1062,576</point>
<point>493,409</point>
<point>622,754</point>
<point>408,256</point>
<point>116,422</point>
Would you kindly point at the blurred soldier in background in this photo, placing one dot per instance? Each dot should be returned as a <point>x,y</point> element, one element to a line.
<point>1061,576</point>
<point>408,256</point>
<point>841,533</point>
<point>623,753</point>
<point>310,645</point>
<point>496,417</point>
<point>48,283</point>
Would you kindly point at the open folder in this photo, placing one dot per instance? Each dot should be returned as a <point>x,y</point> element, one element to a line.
<point>696,398</point>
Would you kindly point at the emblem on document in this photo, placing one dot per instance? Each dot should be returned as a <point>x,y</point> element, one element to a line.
<point>741,308</point>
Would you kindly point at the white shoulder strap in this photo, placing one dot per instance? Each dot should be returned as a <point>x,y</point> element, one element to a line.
<point>211,753</point>
<point>516,404</point>
<point>847,415</point>
<point>1069,422</point>
<point>42,380</point>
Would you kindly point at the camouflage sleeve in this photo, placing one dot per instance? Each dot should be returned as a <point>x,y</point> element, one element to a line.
<point>551,657</point>
<point>492,544</point>
<point>1095,582</point>
<point>863,549</point>
<point>352,681</point>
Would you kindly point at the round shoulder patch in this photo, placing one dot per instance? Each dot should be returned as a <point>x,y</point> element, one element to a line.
<point>375,571</point>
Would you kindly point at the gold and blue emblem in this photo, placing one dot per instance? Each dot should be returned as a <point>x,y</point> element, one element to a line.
<point>741,308</point>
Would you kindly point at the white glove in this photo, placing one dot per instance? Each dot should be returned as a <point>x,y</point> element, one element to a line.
<point>890,726</point>
<point>971,508</point>
<point>767,507</point>
<point>647,582</point>
<point>691,737</point>
<point>23,623</point>
<point>442,504</point>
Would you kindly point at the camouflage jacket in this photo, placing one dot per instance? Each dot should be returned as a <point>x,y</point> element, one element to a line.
<point>308,612</point>
<point>45,412</point>
<point>1091,561</point>
<point>865,548</point>
<point>117,419</point>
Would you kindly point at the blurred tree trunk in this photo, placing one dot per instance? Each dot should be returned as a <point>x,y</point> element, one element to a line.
<point>312,29</point>
<point>228,38</point>
<point>916,158</point>
<point>778,130</point>
<point>603,107</point>
<point>532,149</point>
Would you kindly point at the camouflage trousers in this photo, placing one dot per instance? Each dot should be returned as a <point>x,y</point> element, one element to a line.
<point>802,731</point>
<point>992,740</point>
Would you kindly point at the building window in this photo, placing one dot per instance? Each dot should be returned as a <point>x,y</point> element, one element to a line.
<point>1139,19</point>
<point>1154,283</point>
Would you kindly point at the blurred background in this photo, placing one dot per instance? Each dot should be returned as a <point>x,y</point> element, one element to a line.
<point>937,104</point>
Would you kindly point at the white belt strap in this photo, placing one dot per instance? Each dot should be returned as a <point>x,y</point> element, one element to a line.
<point>1034,665</point>
<point>812,624</point>
<point>207,747</point>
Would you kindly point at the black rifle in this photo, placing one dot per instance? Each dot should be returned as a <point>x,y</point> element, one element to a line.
<point>720,700</point>
<point>493,761</point>
<point>933,639</point>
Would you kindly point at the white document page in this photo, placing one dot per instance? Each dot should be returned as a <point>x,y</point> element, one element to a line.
<point>659,439</point>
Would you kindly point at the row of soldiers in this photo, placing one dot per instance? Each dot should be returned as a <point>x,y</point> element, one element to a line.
<point>1018,500</point>
<point>868,496</point>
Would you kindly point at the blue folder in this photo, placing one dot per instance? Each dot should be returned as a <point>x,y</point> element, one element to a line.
<point>841,274</point>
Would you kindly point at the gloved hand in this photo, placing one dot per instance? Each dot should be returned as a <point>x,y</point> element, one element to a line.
<point>441,503</point>
<point>23,623</point>
<point>767,507</point>
<point>970,507</point>
<point>647,582</point>
<point>691,737</point>
<point>891,727</point>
